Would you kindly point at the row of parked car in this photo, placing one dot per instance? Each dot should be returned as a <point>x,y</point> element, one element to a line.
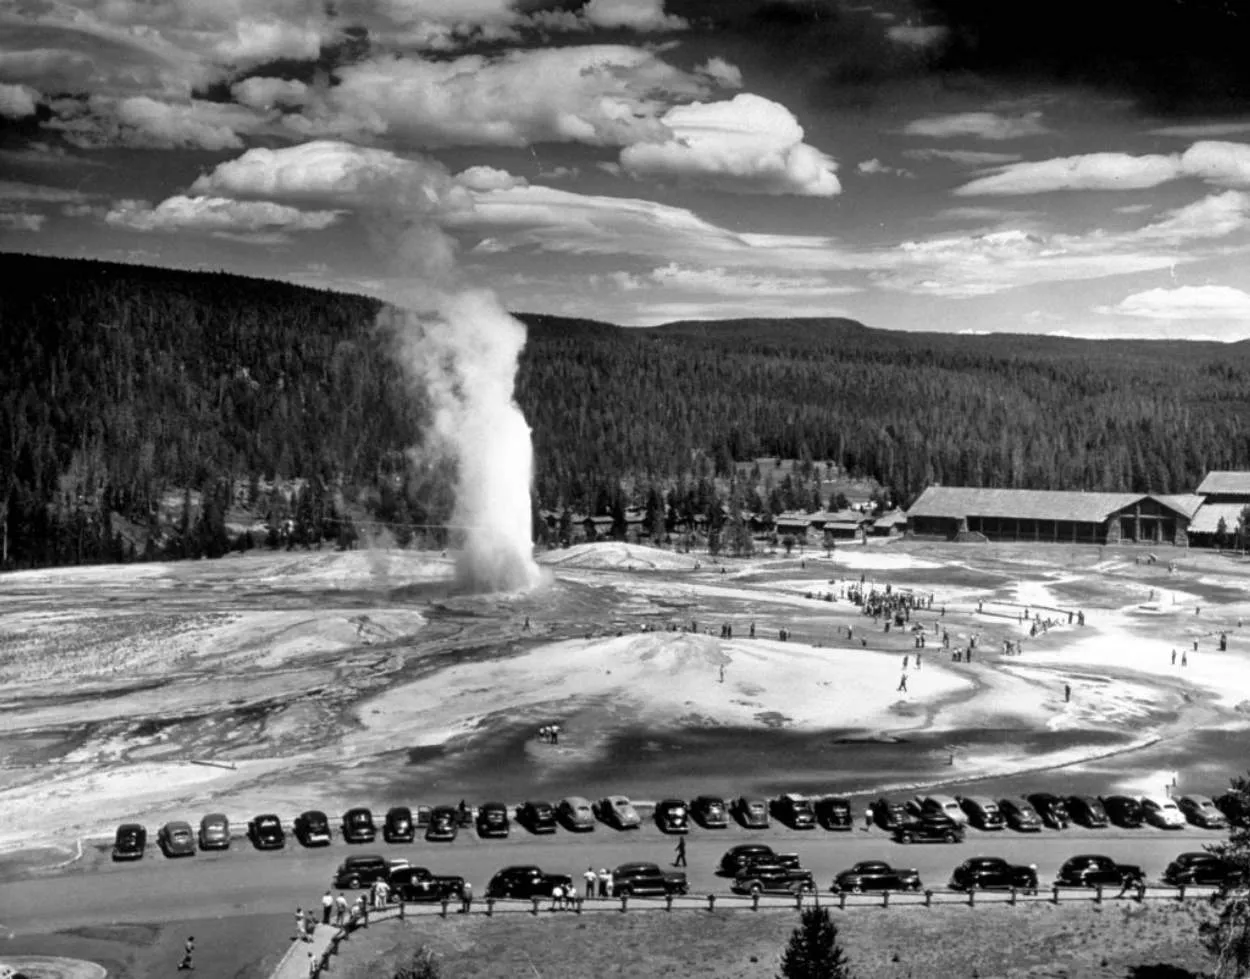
<point>939,818</point>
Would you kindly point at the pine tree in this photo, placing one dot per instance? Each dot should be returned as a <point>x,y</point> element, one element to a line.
<point>813,951</point>
<point>1228,936</point>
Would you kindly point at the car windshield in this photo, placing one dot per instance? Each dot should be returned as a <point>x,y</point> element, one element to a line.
<point>358,817</point>
<point>181,834</point>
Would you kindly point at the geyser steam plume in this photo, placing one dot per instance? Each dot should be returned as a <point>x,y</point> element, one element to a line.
<point>463,360</point>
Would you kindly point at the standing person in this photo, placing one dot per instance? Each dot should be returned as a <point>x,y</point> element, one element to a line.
<point>466,897</point>
<point>310,926</point>
<point>557,897</point>
<point>917,661</point>
<point>312,967</point>
<point>299,924</point>
<point>1067,692</point>
<point>1184,659</point>
<point>681,852</point>
<point>605,879</point>
<point>905,662</point>
<point>327,905</point>
<point>188,952</point>
<point>340,909</point>
<point>1174,657</point>
<point>591,878</point>
<point>867,819</point>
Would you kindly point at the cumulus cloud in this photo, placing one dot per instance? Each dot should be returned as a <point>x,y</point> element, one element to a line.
<point>637,15</point>
<point>265,93</point>
<point>1209,302</point>
<point>21,221</point>
<point>484,178</point>
<point>982,125</point>
<point>253,42</point>
<point>142,122</point>
<point>874,166</point>
<point>337,174</point>
<point>746,145</point>
<point>215,214</point>
<point>598,94</point>
<point>917,37</point>
<point>720,72</point>
<point>1222,163</point>
<point>18,101</point>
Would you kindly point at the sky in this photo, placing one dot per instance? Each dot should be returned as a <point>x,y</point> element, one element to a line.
<point>955,165</point>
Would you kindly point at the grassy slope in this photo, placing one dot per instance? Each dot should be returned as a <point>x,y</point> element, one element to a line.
<point>1080,942</point>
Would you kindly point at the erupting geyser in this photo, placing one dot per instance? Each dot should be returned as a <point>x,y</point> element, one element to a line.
<point>464,361</point>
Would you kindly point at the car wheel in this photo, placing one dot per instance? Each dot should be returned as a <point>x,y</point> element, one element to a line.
<point>904,837</point>
<point>353,883</point>
<point>755,890</point>
<point>951,838</point>
<point>857,887</point>
<point>624,892</point>
<point>806,887</point>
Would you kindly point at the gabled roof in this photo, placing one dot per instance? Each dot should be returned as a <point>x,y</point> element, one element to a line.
<point>1186,503</point>
<point>962,501</point>
<point>891,519</point>
<point>1207,519</point>
<point>1223,482</point>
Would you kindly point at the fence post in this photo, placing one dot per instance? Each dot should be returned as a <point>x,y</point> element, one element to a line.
<point>798,900</point>
<point>490,907</point>
<point>577,904</point>
<point>711,902</point>
<point>445,903</point>
<point>928,899</point>
<point>885,899</point>
<point>624,903</point>
<point>972,897</point>
<point>841,900</point>
<point>534,901</point>
<point>1098,893</point>
<point>1180,893</point>
<point>1055,893</point>
<point>401,910</point>
<point>1012,899</point>
<point>755,901</point>
<point>668,902</point>
<point>1141,892</point>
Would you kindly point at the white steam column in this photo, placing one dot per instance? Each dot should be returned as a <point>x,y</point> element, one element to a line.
<point>464,361</point>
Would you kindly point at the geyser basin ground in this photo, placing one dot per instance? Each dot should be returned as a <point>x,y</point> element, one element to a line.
<point>334,679</point>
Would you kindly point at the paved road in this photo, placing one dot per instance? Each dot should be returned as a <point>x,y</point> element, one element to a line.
<point>243,881</point>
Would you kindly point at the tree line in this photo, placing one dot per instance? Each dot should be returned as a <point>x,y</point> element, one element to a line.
<point>121,386</point>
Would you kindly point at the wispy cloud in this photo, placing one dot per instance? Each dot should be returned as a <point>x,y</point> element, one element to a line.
<point>982,125</point>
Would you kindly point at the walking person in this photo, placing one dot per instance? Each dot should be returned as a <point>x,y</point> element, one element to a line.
<point>681,852</point>
<point>327,906</point>
<point>340,910</point>
<point>902,684</point>
<point>591,879</point>
<point>188,953</point>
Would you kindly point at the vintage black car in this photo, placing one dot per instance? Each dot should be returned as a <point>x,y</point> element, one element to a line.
<point>888,813</point>
<point>1235,807</point>
<point>1200,867</point>
<point>765,877</point>
<point>672,816</point>
<point>130,842</point>
<point>1051,808</point>
<point>932,827</point>
<point>618,812</point>
<point>982,812</point>
<point>875,875</point>
<point>834,812</point>
<point>358,826</point>
<point>492,820</point>
<point>1020,816</point>
<point>795,811</point>
<point>444,824</point>
<point>1087,811</point>
<point>419,884</point>
<point>312,828</point>
<point>525,882</point>
<point>737,857</point>
<point>215,832</point>
<point>537,817</point>
<point>266,832</point>
<point>647,880</point>
<point>987,873</point>
<point>1091,870</point>
<point>1201,811</point>
<point>361,871</point>
<point>751,812</point>
<point>398,826</point>
<point>709,812</point>
<point>1123,811</point>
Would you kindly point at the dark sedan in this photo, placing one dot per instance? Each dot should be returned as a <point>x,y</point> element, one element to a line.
<point>312,828</point>
<point>709,812</point>
<point>1087,811</point>
<point>888,814</point>
<point>834,812</point>
<point>672,816</point>
<point>1123,811</point>
<point>1020,816</point>
<point>795,811</point>
<point>492,820</point>
<point>537,817</point>
<point>987,873</point>
<point>932,827</point>
<point>1201,811</point>
<point>1200,867</point>
<point>266,832</point>
<point>1090,870</point>
<point>1051,808</point>
<point>737,857</point>
<point>982,812</point>
<point>875,875</point>
<point>398,826</point>
<point>647,880</point>
<point>130,842</point>
<point>444,824</point>
<point>772,878</point>
<point>525,882</point>
<point>358,826</point>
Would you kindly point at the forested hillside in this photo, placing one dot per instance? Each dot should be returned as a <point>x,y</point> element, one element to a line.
<point>120,385</point>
